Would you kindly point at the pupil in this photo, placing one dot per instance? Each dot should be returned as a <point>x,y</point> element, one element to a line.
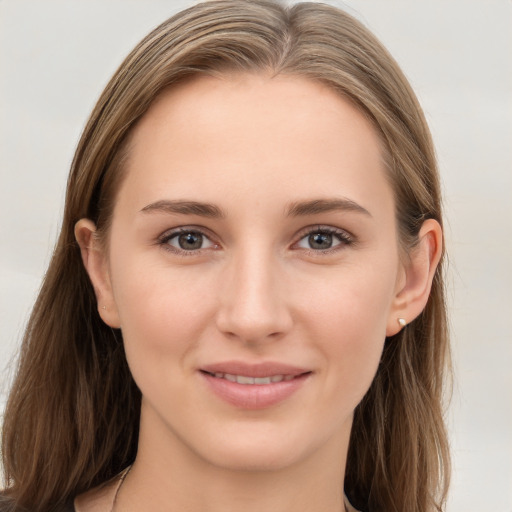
<point>320,241</point>
<point>189,241</point>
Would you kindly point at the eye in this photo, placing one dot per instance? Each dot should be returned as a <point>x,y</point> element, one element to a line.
<point>187,240</point>
<point>324,239</point>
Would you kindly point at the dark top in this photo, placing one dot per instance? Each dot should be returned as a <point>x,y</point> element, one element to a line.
<point>6,505</point>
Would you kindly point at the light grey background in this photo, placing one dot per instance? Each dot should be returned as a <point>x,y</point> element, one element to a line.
<point>57,55</point>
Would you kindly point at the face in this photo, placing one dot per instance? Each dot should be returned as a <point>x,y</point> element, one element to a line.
<point>253,268</point>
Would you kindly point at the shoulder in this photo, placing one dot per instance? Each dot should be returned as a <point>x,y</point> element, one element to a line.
<point>8,505</point>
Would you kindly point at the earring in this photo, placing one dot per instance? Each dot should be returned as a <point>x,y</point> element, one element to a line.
<point>103,307</point>
<point>401,322</point>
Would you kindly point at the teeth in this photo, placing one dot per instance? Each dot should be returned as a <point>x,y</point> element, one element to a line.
<point>243,379</point>
<point>262,380</point>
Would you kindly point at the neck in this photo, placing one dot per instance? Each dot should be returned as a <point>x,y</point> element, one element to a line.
<point>168,475</point>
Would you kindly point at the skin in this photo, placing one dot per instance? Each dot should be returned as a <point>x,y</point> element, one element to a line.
<point>257,289</point>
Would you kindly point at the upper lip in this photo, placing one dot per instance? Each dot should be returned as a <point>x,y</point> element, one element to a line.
<point>264,369</point>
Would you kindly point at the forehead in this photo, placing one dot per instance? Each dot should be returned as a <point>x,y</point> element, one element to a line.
<point>236,133</point>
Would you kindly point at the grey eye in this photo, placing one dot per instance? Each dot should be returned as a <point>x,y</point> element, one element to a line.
<point>319,241</point>
<point>189,241</point>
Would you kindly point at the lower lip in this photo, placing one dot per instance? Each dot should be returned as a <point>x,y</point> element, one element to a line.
<point>254,396</point>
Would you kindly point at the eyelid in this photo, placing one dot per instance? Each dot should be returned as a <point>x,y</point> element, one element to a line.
<point>345,237</point>
<point>173,232</point>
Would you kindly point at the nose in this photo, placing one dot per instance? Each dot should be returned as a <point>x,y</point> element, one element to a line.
<point>253,300</point>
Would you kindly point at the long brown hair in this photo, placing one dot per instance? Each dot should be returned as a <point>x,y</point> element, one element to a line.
<point>73,413</point>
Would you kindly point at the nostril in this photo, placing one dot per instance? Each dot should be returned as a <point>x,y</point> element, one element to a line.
<point>253,329</point>
<point>253,314</point>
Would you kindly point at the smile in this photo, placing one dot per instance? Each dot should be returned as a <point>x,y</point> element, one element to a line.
<point>254,386</point>
<point>244,379</point>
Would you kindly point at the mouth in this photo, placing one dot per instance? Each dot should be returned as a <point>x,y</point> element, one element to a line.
<point>254,386</point>
<point>247,380</point>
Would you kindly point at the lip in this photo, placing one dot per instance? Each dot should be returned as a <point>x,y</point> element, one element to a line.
<point>254,396</point>
<point>264,369</point>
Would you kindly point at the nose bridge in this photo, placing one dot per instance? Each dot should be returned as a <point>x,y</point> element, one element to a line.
<point>253,305</point>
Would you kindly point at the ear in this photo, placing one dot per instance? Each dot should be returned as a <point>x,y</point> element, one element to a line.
<point>95,261</point>
<point>418,273</point>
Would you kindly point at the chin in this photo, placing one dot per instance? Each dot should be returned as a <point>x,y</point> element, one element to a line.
<point>248,458</point>
<point>263,449</point>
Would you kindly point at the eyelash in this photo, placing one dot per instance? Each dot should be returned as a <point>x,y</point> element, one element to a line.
<point>344,238</point>
<point>164,239</point>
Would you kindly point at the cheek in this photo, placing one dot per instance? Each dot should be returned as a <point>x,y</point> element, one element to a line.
<point>349,319</point>
<point>162,311</point>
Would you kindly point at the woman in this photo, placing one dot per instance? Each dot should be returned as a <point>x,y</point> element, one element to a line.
<point>246,297</point>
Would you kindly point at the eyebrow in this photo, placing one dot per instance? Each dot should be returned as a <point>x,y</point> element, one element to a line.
<point>316,206</point>
<point>296,209</point>
<point>185,208</point>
